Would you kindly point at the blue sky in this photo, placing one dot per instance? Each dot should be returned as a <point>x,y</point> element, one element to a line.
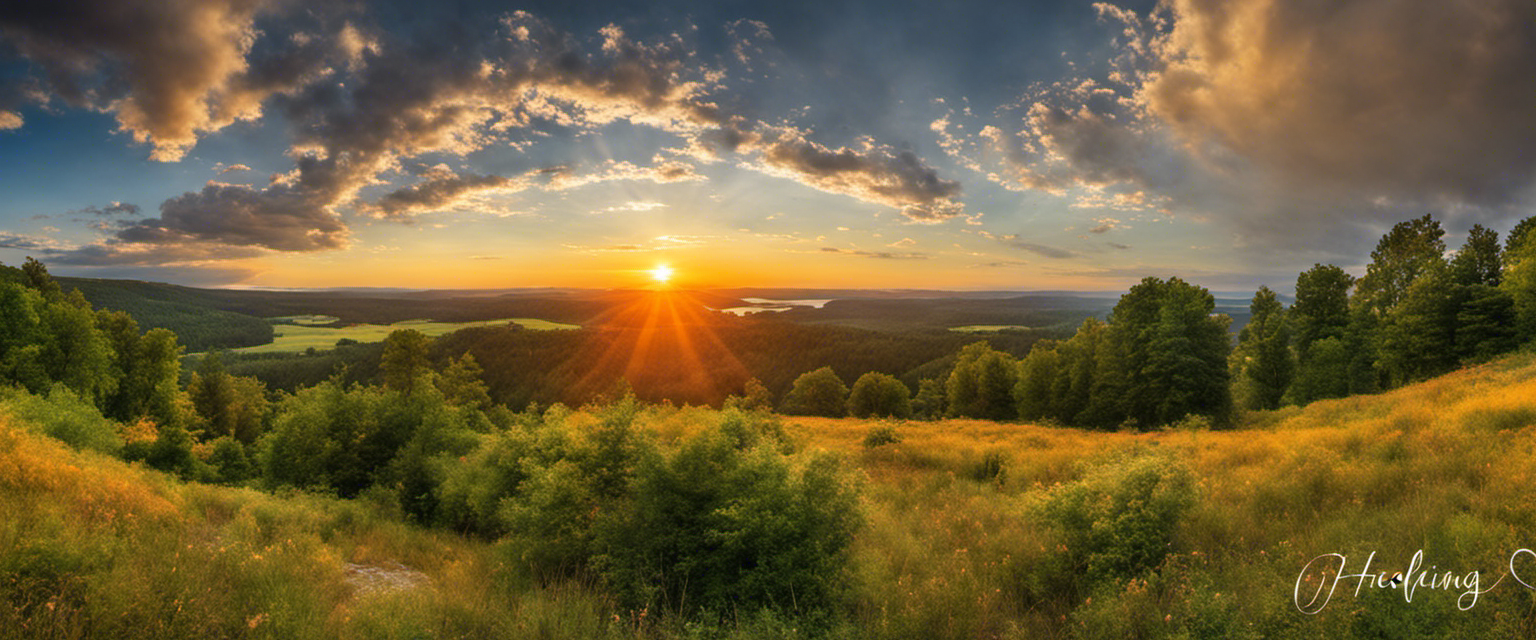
<point>1020,145</point>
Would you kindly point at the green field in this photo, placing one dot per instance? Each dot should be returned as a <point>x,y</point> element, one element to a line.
<point>298,333</point>
<point>988,328</point>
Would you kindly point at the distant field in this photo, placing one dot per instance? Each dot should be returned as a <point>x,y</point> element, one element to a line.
<point>987,328</point>
<point>298,333</point>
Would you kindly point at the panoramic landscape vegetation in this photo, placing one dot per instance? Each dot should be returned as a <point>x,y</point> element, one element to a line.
<point>827,319</point>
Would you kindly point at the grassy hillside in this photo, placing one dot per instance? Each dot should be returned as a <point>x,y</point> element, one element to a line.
<point>972,530</point>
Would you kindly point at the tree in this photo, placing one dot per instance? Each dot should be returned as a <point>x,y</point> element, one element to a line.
<point>929,404</point>
<point>1485,323</point>
<point>39,279</point>
<point>1325,374</point>
<point>1410,249</point>
<point>1417,339</point>
<point>818,393</point>
<point>461,383</point>
<point>879,395</point>
<point>1074,384</point>
<point>1520,277</point>
<point>405,361</point>
<point>1033,395</point>
<point>755,397</point>
<point>1322,306</point>
<point>981,384</point>
<point>1263,352</point>
<point>1479,260</point>
<point>229,405</point>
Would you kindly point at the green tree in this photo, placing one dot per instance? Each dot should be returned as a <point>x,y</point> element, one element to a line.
<point>1485,323</point>
<point>461,383</point>
<point>1417,335</point>
<point>1074,384</point>
<point>817,393</point>
<point>38,278</point>
<point>1263,352</point>
<point>229,405</point>
<point>1033,396</point>
<point>981,384</point>
<point>1479,261</point>
<point>879,395</point>
<point>929,403</point>
<point>1322,305</point>
<point>1325,374</point>
<point>404,362</point>
<point>755,397</point>
<point>1520,277</point>
<point>1410,249</point>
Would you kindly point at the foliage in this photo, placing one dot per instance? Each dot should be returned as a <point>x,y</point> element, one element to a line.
<point>1479,261</point>
<point>228,405</point>
<point>880,436</point>
<point>63,414</point>
<point>723,528</point>
<point>879,395</point>
<point>929,403</point>
<point>1410,249</point>
<point>1263,357</point>
<point>404,362</point>
<point>1118,521</point>
<point>981,384</point>
<point>817,393</point>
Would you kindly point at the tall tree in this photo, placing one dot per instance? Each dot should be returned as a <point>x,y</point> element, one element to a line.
<point>1417,335</point>
<point>1410,249</point>
<point>405,361</point>
<point>1479,260</point>
<point>1263,353</point>
<point>1322,305</point>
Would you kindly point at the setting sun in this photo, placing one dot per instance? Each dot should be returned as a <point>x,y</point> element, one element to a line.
<point>661,274</point>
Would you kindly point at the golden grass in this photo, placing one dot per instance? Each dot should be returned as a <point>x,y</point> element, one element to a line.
<point>99,548</point>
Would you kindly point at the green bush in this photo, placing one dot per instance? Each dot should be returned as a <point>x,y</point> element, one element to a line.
<point>724,529</point>
<point>1119,520</point>
<point>65,415</point>
<point>881,436</point>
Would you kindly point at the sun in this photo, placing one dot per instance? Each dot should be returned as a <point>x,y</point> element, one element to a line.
<point>662,274</point>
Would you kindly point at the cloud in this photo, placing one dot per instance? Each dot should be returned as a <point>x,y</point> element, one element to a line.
<point>174,70</point>
<point>1293,124</point>
<point>438,192</point>
<point>873,173</point>
<point>168,70</point>
<point>1438,102</point>
<point>113,209</point>
<point>1046,251</point>
<point>633,206</point>
<point>25,242</point>
<point>233,168</point>
<point>562,177</point>
<point>283,217</point>
<point>10,120</point>
<point>881,255</point>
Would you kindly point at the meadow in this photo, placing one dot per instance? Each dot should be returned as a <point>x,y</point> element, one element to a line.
<point>296,334</point>
<point>970,529</point>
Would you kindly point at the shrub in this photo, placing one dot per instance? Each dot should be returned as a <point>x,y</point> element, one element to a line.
<point>65,415</point>
<point>881,436</point>
<point>723,529</point>
<point>1118,521</point>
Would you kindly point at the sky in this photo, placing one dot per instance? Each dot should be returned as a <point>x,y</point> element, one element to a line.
<point>1022,145</point>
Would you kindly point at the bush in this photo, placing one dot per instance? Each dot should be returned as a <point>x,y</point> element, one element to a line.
<point>722,529</point>
<point>881,436</point>
<point>1118,521</point>
<point>63,414</point>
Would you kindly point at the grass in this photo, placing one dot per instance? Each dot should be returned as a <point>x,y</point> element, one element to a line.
<point>961,539</point>
<point>988,328</point>
<point>294,334</point>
